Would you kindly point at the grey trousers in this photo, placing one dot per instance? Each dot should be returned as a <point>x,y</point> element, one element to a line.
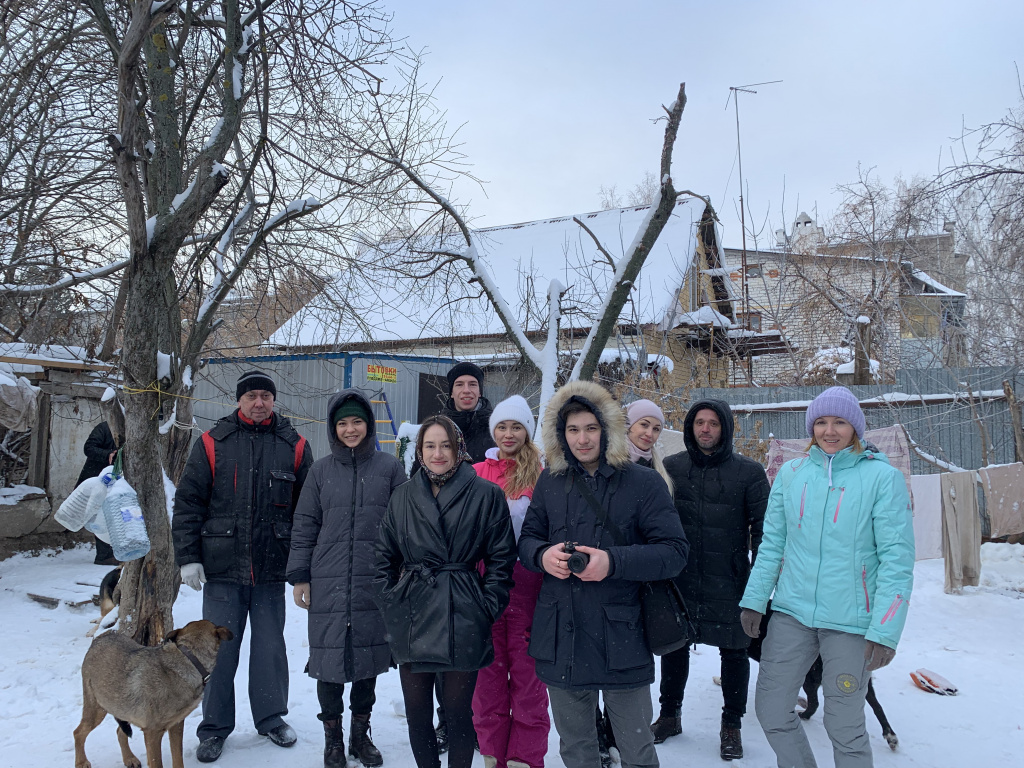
<point>230,605</point>
<point>788,651</point>
<point>630,712</point>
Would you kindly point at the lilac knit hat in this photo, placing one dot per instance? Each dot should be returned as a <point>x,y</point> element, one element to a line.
<point>640,409</point>
<point>836,401</point>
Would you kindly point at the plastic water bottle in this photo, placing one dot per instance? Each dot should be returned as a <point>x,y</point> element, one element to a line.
<point>96,523</point>
<point>123,516</point>
<point>74,512</point>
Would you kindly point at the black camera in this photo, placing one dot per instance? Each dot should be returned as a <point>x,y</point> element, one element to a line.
<point>578,561</point>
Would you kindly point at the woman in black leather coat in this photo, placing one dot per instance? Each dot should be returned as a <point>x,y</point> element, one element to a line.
<point>438,608</point>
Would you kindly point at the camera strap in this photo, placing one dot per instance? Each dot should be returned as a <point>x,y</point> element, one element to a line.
<point>602,516</point>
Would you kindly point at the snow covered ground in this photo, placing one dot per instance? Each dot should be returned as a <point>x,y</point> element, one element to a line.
<point>976,640</point>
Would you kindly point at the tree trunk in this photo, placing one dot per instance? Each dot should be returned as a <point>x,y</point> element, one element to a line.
<point>862,354</point>
<point>149,586</point>
<point>1018,431</point>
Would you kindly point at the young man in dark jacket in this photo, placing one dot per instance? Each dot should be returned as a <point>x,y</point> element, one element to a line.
<point>721,498</point>
<point>588,636</point>
<point>232,528</point>
<point>469,409</point>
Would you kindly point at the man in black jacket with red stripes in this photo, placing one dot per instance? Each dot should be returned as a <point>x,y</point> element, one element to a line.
<point>232,530</point>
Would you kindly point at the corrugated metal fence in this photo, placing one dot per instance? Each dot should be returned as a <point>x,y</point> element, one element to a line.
<point>305,383</point>
<point>941,409</point>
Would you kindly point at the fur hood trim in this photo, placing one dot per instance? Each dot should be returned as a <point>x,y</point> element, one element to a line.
<point>608,412</point>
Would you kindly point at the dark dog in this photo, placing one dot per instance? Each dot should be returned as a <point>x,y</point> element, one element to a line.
<point>812,681</point>
<point>107,601</point>
<point>152,688</point>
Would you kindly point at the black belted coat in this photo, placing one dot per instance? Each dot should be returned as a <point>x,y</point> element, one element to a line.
<point>437,608</point>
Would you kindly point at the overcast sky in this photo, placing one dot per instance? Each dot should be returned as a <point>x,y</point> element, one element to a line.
<point>555,98</point>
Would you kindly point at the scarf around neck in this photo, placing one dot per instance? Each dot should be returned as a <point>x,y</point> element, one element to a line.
<point>461,455</point>
<point>635,454</point>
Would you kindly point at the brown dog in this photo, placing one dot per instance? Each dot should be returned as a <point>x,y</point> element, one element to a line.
<point>152,688</point>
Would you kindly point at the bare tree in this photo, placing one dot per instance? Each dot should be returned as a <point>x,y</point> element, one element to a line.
<point>198,150</point>
<point>445,244</point>
<point>56,227</point>
<point>644,192</point>
<point>981,194</point>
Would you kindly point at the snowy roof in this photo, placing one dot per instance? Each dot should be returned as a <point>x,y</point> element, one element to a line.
<point>24,358</point>
<point>934,284</point>
<point>551,248</point>
<point>704,316</point>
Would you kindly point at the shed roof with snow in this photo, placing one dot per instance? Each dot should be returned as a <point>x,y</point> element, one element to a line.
<point>523,259</point>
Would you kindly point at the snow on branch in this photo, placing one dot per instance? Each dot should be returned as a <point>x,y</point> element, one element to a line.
<point>471,256</point>
<point>75,278</point>
<point>628,267</point>
<point>224,281</point>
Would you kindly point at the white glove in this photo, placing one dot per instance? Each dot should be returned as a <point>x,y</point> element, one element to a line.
<point>193,575</point>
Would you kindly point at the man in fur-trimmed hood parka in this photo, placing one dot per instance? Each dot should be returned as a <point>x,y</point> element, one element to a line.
<point>587,634</point>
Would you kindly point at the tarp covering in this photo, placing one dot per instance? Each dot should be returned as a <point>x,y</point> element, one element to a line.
<point>18,401</point>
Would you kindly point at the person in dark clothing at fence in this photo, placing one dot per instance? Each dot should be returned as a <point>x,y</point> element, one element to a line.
<point>331,565</point>
<point>232,527</point>
<point>721,498</point>
<point>588,637</point>
<point>100,449</point>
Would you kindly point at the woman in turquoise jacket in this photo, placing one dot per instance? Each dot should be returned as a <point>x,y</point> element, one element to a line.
<point>838,551</point>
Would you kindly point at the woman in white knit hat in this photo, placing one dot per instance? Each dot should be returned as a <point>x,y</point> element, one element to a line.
<point>510,705</point>
<point>838,551</point>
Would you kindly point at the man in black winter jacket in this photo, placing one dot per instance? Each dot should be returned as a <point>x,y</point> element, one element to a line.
<point>721,498</point>
<point>587,636</point>
<point>232,530</point>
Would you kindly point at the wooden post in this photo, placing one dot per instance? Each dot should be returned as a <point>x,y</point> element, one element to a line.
<point>1018,431</point>
<point>39,447</point>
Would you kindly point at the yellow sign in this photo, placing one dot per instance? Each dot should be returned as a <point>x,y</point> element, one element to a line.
<point>382,373</point>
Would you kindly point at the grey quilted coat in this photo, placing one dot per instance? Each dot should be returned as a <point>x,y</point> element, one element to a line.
<point>335,528</point>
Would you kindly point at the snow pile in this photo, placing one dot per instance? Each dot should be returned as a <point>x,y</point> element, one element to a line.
<point>631,356</point>
<point>972,639</point>
<point>15,493</point>
<point>408,432</point>
<point>1002,568</point>
<point>833,361</point>
<point>704,316</point>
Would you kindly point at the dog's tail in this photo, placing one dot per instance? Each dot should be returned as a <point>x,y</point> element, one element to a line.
<point>126,727</point>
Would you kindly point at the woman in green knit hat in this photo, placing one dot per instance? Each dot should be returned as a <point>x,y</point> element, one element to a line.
<point>331,565</point>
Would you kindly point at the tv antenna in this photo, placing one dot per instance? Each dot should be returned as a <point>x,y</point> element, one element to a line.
<point>734,95</point>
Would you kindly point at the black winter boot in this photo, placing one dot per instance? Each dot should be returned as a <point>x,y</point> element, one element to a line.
<point>359,744</point>
<point>666,726</point>
<point>732,744</point>
<point>334,744</point>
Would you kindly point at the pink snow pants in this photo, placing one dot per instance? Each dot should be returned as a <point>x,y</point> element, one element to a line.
<point>510,705</point>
